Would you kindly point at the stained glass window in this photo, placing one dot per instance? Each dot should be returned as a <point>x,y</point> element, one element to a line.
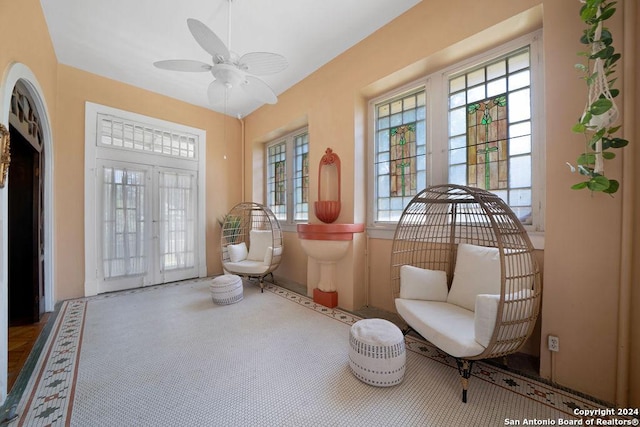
<point>490,126</point>
<point>400,153</point>
<point>403,163</point>
<point>487,165</point>
<point>481,132</point>
<point>301,173</point>
<point>277,180</point>
<point>280,183</point>
<point>287,189</point>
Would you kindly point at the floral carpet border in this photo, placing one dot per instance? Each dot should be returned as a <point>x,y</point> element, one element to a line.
<point>48,399</point>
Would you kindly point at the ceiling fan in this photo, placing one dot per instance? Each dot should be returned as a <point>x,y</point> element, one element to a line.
<point>229,69</point>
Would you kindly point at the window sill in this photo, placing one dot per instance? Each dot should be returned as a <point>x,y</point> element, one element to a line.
<point>289,228</point>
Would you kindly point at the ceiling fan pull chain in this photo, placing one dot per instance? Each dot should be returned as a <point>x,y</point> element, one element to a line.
<point>229,26</point>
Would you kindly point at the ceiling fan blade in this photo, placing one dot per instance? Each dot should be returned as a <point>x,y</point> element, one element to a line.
<point>207,39</point>
<point>263,63</point>
<point>259,90</point>
<point>183,65</point>
<point>217,92</point>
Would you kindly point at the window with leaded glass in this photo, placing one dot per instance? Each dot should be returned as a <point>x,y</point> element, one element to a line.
<point>484,131</point>
<point>301,179</point>
<point>287,189</point>
<point>490,126</point>
<point>277,179</point>
<point>400,153</point>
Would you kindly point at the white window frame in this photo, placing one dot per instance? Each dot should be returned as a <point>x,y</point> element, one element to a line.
<point>436,86</point>
<point>94,151</point>
<point>290,222</point>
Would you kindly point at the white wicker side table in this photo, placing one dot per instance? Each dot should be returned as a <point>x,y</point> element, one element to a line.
<point>226,289</point>
<point>377,354</point>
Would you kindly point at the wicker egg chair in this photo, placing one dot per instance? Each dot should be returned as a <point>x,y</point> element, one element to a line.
<point>451,236</point>
<point>251,242</point>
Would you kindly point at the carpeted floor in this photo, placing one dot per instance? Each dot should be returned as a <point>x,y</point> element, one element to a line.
<point>168,356</point>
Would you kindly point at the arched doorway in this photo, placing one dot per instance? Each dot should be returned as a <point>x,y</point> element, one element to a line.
<point>19,73</point>
<point>26,211</point>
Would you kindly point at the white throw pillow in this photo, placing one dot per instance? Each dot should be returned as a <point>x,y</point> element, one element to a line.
<point>259,241</point>
<point>237,252</point>
<point>423,284</point>
<point>268,256</point>
<point>486,312</point>
<point>477,272</point>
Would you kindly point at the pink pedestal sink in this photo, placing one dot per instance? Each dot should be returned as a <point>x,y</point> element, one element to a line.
<point>327,244</point>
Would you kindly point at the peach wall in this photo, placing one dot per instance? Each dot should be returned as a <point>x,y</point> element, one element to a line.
<point>582,250</point>
<point>223,177</point>
<point>293,266</point>
<point>24,38</point>
<point>632,159</point>
<point>583,235</point>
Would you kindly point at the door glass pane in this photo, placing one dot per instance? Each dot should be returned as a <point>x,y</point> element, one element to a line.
<point>123,227</point>
<point>177,220</point>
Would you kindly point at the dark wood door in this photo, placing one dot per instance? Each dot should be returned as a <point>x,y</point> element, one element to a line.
<point>26,284</point>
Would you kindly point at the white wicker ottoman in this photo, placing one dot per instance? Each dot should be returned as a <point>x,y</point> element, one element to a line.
<point>226,289</point>
<point>377,354</point>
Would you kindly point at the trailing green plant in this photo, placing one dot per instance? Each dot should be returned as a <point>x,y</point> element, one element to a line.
<point>600,113</point>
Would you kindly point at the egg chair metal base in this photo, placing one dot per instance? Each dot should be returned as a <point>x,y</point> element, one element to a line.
<point>464,369</point>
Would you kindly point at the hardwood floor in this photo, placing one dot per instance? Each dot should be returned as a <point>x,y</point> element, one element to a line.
<point>21,341</point>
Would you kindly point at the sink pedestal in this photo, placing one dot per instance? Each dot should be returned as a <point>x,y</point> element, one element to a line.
<point>327,244</point>
<point>328,299</point>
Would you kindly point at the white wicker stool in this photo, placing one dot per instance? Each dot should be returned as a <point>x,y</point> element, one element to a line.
<point>226,289</point>
<point>377,354</point>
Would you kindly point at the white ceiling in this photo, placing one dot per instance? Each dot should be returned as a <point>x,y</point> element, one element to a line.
<point>121,39</point>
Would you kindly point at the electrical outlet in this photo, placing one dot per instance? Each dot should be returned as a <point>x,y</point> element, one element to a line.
<point>554,343</point>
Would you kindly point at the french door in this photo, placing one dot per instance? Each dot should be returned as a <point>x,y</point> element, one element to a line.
<point>147,225</point>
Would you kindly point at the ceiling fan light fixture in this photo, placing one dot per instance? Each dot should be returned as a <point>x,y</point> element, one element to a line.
<point>228,68</point>
<point>227,75</point>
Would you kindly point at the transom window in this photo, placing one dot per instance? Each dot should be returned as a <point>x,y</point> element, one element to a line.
<point>129,135</point>
<point>473,124</point>
<point>287,192</point>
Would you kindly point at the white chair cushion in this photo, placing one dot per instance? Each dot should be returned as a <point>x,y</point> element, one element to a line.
<point>246,267</point>
<point>477,272</point>
<point>268,256</point>
<point>423,284</point>
<point>237,252</point>
<point>487,311</point>
<point>447,326</point>
<point>259,241</point>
